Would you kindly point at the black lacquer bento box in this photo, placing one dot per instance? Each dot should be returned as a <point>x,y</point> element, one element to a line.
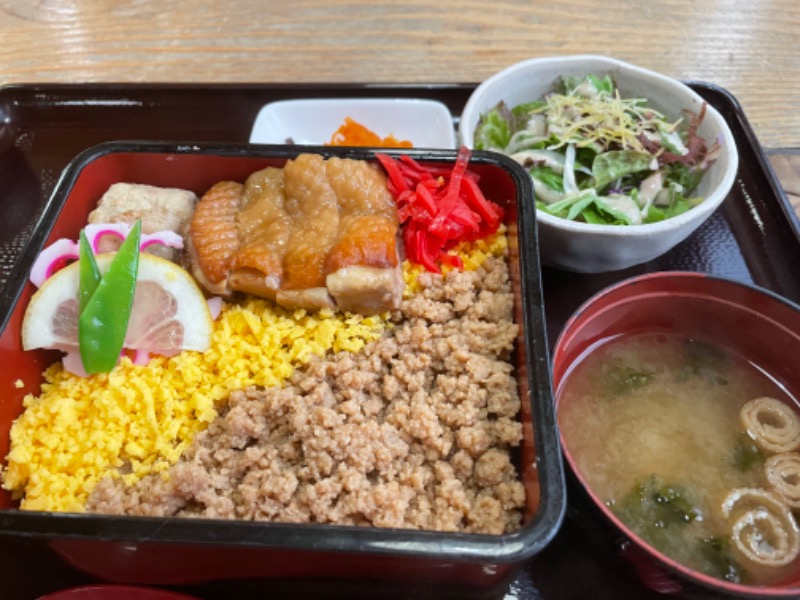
<point>231,556</point>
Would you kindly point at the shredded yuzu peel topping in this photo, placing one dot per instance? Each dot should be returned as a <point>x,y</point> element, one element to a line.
<point>606,119</point>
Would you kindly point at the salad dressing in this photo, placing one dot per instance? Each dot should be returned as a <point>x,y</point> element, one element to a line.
<point>626,206</point>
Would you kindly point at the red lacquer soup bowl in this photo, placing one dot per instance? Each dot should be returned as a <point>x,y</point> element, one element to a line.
<point>755,327</point>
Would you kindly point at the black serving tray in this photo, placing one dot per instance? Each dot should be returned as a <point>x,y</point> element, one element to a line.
<point>754,237</point>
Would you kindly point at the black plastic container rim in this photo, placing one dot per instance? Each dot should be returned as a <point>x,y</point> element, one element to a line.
<point>459,547</point>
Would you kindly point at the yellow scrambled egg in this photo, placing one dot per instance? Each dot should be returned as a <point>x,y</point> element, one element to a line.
<point>472,255</point>
<point>139,419</point>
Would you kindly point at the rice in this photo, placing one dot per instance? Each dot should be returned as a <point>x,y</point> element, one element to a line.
<point>139,419</point>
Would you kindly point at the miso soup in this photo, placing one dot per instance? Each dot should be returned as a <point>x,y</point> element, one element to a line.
<point>652,422</point>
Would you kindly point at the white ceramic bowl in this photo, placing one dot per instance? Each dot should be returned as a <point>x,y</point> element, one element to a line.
<point>425,123</point>
<point>589,248</point>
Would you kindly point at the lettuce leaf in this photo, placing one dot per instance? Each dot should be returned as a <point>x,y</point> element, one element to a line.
<point>590,215</point>
<point>549,177</point>
<point>611,215</point>
<point>572,206</point>
<point>604,85</point>
<point>495,129</point>
<point>689,178</point>
<point>613,165</point>
<point>523,112</point>
<point>678,204</point>
<point>587,206</point>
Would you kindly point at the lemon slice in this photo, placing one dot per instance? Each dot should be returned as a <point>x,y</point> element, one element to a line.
<point>169,313</point>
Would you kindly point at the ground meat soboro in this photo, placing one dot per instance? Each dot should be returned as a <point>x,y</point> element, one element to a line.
<point>412,432</point>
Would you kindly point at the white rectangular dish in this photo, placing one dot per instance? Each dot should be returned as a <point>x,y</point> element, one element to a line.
<point>425,123</point>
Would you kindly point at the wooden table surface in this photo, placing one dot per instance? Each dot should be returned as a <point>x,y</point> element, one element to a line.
<point>750,47</point>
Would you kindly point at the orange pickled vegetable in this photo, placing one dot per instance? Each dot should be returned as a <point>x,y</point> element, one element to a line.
<point>352,133</point>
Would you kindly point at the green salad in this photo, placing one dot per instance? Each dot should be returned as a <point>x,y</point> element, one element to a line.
<point>600,158</point>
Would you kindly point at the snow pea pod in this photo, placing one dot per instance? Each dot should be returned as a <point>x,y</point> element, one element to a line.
<point>103,323</point>
<point>89,271</point>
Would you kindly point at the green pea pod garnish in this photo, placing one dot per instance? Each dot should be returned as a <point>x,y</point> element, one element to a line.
<point>103,323</point>
<point>89,271</point>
